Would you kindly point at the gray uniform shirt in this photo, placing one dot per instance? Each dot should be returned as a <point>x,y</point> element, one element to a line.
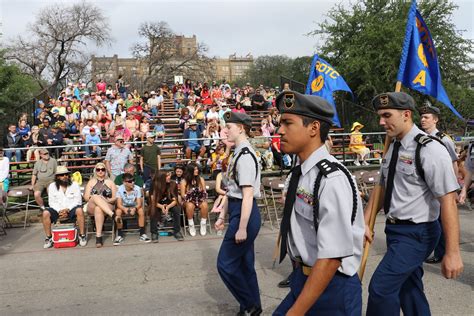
<point>337,237</point>
<point>245,169</point>
<point>412,198</point>
<point>469,162</point>
<point>448,142</point>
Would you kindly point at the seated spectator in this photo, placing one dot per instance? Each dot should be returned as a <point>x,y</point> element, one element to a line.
<point>129,202</point>
<point>276,151</point>
<point>238,108</point>
<point>246,101</point>
<point>116,158</point>
<point>86,129</point>
<point>23,128</point>
<point>136,110</point>
<point>43,175</point>
<point>163,201</point>
<point>12,140</point>
<point>39,109</point>
<point>179,100</point>
<point>32,142</point>
<point>357,144</point>
<point>133,125</point>
<point>212,135</point>
<point>129,168</point>
<point>267,128</point>
<point>104,118</point>
<point>263,151</point>
<point>193,192</point>
<point>258,101</point>
<point>200,116</point>
<point>184,119</point>
<point>217,160</point>
<point>206,95</point>
<point>100,195</point>
<point>65,202</point>
<point>224,109</point>
<point>193,142</point>
<point>93,139</point>
<point>221,201</point>
<point>191,104</point>
<point>159,129</point>
<point>144,127</point>
<point>57,117</point>
<point>88,113</point>
<point>150,159</point>
<point>117,129</point>
<point>274,117</point>
<point>71,120</point>
<point>213,114</point>
<point>4,171</point>
<point>56,139</point>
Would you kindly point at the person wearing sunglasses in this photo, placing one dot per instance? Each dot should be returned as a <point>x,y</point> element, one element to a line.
<point>100,195</point>
<point>43,175</point>
<point>130,202</point>
<point>117,156</point>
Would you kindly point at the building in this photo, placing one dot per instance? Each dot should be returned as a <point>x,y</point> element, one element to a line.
<point>232,68</point>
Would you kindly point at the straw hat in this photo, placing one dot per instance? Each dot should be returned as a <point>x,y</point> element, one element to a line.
<point>61,170</point>
<point>356,124</point>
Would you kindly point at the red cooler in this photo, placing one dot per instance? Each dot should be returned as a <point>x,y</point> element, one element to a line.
<point>64,236</point>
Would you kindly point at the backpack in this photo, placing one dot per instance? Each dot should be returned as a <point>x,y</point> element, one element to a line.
<point>422,140</point>
<point>244,151</point>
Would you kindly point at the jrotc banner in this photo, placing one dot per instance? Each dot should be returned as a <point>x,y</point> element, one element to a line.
<point>323,81</point>
<point>419,69</point>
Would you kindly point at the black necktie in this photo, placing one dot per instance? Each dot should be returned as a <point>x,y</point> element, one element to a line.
<point>390,176</point>
<point>289,201</point>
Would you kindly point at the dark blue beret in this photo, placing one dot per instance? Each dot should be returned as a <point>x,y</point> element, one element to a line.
<point>237,117</point>
<point>306,105</point>
<point>393,100</point>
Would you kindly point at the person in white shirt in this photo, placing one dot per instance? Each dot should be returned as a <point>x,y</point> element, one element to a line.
<point>65,202</point>
<point>4,170</point>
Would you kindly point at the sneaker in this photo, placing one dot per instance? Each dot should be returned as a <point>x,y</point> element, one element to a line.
<point>144,238</point>
<point>365,163</point>
<point>192,231</point>
<point>83,240</point>
<point>48,243</point>
<point>155,237</point>
<point>118,240</point>
<point>356,162</point>
<point>203,229</point>
<point>220,233</point>
<point>179,236</point>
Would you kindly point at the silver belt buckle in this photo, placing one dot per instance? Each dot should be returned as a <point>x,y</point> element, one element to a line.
<point>391,219</point>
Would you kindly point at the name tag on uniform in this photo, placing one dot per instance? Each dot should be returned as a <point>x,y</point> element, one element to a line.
<point>406,159</point>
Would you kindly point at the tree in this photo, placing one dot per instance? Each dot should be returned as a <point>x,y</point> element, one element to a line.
<point>163,56</point>
<point>16,89</point>
<point>364,41</point>
<point>55,47</point>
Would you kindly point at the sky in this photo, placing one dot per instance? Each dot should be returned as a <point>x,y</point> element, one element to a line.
<point>259,27</point>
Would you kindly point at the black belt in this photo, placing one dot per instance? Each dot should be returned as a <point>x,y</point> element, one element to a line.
<point>307,269</point>
<point>232,199</point>
<point>396,221</point>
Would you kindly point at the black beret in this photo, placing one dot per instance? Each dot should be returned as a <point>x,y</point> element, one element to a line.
<point>306,105</point>
<point>393,100</point>
<point>430,110</point>
<point>239,118</point>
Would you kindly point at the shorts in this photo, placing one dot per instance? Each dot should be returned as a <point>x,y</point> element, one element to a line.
<point>195,149</point>
<point>71,216</point>
<point>42,184</point>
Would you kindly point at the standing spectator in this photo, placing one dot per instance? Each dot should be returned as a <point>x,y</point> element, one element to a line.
<point>357,145</point>
<point>116,157</point>
<point>101,86</point>
<point>43,175</point>
<point>129,202</point>
<point>258,101</point>
<point>192,142</point>
<point>193,192</point>
<point>100,195</point>
<point>93,139</point>
<point>4,170</point>
<point>12,139</point>
<point>65,201</point>
<point>164,200</point>
<point>121,87</point>
<point>150,159</point>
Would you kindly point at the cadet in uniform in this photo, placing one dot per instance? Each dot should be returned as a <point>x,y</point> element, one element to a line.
<point>322,227</point>
<point>429,120</point>
<point>236,259</point>
<point>409,202</point>
<point>469,166</point>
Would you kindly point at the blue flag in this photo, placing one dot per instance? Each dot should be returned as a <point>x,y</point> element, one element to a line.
<point>323,81</point>
<point>419,69</point>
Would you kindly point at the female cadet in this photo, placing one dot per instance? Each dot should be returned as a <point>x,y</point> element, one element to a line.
<point>236,259</point>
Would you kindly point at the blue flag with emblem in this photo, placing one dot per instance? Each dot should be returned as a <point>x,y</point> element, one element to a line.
<point>419,69</point>
<point>323,81</point>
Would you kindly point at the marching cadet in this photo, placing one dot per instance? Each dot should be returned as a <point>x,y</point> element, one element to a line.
<point>322,227</point>
<point>411,201</point>
<point>429,120</point>
<point>469,166</point>
<point>236,259</point>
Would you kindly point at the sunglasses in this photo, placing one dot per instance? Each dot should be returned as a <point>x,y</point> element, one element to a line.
<point>130,181</point>
<point>63,175</point>
<point>121,141</point>
<point>100,169</point>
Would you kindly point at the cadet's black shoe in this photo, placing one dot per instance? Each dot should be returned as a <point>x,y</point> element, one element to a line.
<point>155,237</point>
<point>254,311</point>
<point>433,260</point>
<point>285,283</point>
<point>178,236</point>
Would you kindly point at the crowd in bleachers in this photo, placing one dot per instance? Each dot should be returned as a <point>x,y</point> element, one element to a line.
<point>112,130</point>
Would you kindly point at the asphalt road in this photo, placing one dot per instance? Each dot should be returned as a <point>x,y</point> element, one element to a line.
<point>173,278</point>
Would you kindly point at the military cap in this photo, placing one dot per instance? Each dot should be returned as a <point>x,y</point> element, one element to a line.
<point>393,100</point>
<point>239,118</point>
<point>306,105</point>
<point>430,110</point>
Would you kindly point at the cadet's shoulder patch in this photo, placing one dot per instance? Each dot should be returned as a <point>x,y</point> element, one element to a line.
<point>423,139</point>
<point>326,167</point>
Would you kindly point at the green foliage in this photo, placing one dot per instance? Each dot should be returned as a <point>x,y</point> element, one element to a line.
<point>364,41</point>
<point>16,88</point>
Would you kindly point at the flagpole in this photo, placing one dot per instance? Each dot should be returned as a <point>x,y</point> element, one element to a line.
<point>376,202</point>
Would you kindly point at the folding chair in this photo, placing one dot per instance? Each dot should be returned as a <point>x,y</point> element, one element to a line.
<point>10,206</point>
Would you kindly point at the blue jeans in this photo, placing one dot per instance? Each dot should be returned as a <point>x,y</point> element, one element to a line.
<point>236,262</point>
<point>9,154</point>
<point>342,296</point>
<point>89,149</point>
<point>397,281</point>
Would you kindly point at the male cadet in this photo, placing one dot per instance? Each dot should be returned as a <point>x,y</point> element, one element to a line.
<point>412,206</point>
<point>322,227</point>
<point>429,119</point>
